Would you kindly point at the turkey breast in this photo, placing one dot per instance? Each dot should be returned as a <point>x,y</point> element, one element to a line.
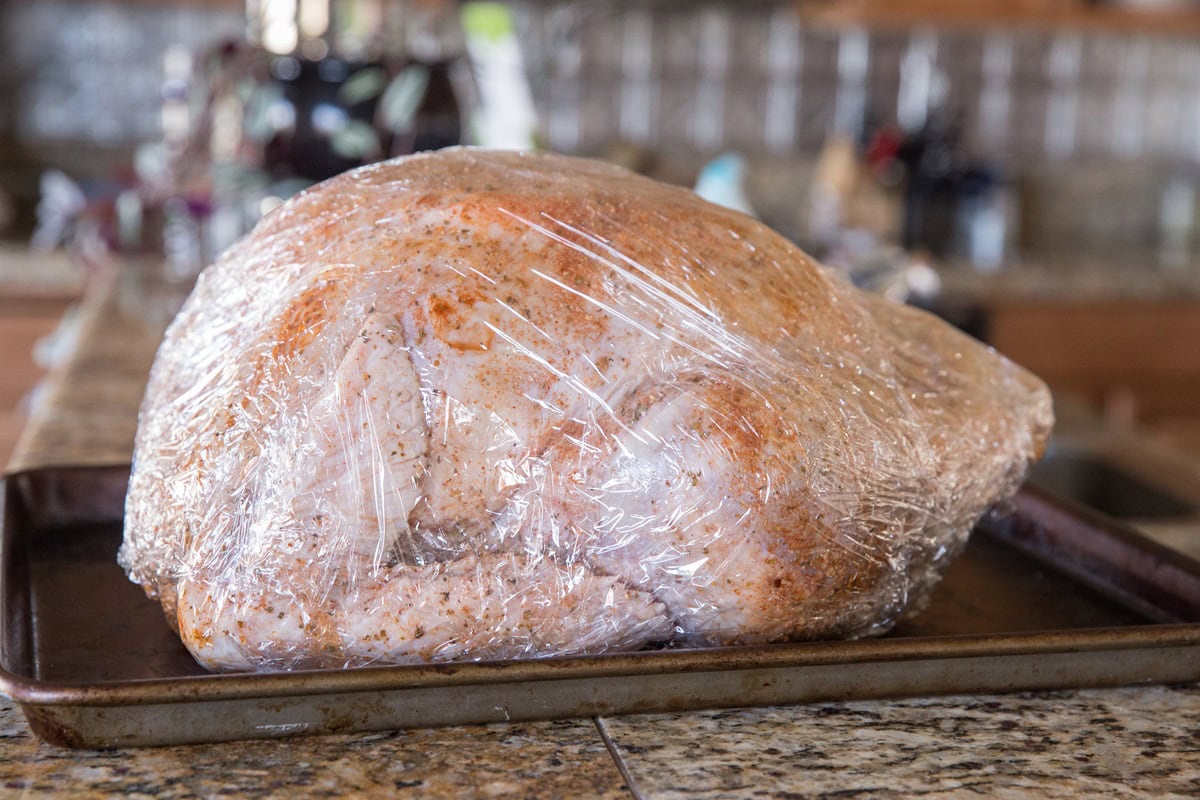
<point>478,404</point>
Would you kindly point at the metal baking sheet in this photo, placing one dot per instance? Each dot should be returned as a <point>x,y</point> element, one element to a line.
<point>1044,596</point>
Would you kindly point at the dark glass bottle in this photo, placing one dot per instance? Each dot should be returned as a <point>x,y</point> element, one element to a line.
<point>322,130</point>
<point>385,98</point>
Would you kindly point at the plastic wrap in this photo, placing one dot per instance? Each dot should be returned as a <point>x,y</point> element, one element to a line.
<point>486,405</point>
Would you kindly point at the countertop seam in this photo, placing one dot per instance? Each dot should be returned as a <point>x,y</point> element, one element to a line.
<point>622,767</point>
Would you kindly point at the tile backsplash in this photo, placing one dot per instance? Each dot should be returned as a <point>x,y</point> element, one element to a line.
<point>1090,127</point>
<point>757,78</point>
<point>1093,126</point>
<point>91,71</point>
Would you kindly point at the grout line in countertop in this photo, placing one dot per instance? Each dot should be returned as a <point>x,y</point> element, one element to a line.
<point>622,767</point>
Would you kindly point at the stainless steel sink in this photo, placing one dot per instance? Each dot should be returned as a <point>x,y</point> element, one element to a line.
<point>1089,478</point>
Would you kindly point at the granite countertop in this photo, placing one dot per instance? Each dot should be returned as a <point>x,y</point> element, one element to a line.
<point>87,413</point>
<point>31,276</point>
<point>1133,742</point>
<point>1129,742</point>
<point>1128,278</point>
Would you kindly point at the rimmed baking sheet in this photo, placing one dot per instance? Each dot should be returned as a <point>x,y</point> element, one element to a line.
<point>1045,596</point>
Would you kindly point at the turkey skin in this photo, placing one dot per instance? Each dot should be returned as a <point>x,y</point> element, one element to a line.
<point>489,405</point>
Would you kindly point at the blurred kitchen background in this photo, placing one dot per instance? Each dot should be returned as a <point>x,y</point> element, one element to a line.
<point>1028,169</point>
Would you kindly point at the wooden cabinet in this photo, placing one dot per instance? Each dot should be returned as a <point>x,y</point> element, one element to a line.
<point>1136,362</point>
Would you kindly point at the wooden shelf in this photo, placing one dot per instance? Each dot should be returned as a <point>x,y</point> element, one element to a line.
<point>1074,14</point>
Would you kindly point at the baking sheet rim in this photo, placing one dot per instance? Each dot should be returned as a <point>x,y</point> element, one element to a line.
<point>250,686</point>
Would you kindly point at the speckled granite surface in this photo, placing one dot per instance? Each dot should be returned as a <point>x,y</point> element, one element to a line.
<point>1137,742</point>
<point>1128,279</point>
<point>565,759</point>
<point>29,275</point>
<point>88,415</point>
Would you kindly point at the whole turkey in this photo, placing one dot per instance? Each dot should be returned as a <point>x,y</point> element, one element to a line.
<point>489,405</point>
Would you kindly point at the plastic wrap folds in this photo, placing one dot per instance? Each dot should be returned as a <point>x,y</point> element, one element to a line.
<point>482,405</point>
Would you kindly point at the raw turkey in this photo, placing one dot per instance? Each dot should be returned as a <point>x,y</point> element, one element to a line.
<point>493,405</point>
